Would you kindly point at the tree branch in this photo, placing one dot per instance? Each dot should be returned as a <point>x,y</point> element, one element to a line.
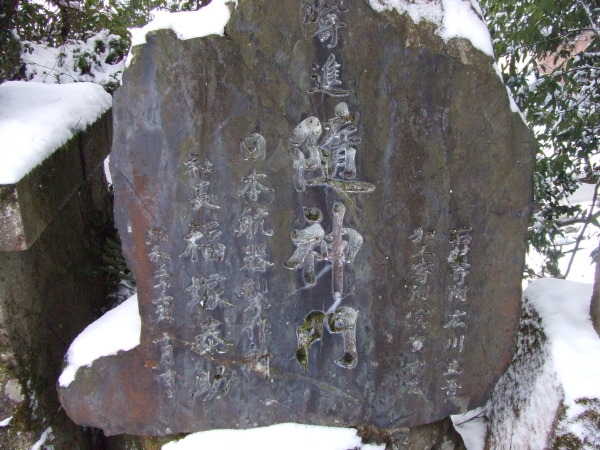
<point>560,73</point>
<point>561,37</point>
<point>587,222</point>
<point>578,219</point>
<point>588,11</point>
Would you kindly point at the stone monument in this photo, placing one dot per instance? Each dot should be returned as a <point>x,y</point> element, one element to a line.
<point>325,210</point>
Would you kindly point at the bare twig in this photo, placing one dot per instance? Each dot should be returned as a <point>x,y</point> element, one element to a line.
<point>479,415</point>
<point>554,38</point>
<point>560,73</point>
<point>583,228</point>
<point>577,219</point>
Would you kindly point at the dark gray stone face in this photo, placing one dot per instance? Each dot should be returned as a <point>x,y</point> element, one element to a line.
<point>325,211</point>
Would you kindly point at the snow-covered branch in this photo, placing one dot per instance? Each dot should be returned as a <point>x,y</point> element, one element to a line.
<point>590,16</point>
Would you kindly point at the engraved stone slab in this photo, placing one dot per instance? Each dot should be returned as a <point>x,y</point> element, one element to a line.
<point>325,211</point>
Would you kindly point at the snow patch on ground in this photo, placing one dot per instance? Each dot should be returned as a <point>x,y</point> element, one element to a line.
<point>472,428</point>
<point>117,330</point>
<point>557,364</point>
<point>289,436</point>
<point>208,20</point>
<point>36,119</point>
<point>564,307</point>
<point>453,18</point>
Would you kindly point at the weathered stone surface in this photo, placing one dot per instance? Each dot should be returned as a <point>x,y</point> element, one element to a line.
<point>423,323</point>
<point>28,206</point>
<point>52,290</point>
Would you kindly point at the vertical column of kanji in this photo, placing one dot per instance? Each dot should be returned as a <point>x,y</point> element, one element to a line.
<point>163,307</point>
<point>325,14</point>
<point>325,157</point>
<point>254,233</point>
<point>417,317</point>
<point>205,289</point>
<point>455,313</point>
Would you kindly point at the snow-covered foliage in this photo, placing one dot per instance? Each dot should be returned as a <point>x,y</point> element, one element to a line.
<point>117,330</point>
<point>575,247</point>
<point>453,18</point>
<point>554,373</point>
<point>549,53</point>
<point>36,119</point>
<point>72,41</point>
<point>64,42</point>
<point>97,59</point>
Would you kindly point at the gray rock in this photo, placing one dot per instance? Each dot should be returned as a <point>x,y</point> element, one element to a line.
<point>29,206</point>
<point>343,258</point>
<point>12,389</point>
<point>51,284</point>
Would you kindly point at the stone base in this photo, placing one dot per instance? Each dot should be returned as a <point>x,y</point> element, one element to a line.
<point>437,435</point>
<point>52,290</point>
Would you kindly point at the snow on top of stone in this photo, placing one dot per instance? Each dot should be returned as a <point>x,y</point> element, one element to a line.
<point>36,119</point>
<point>454,18</point>
<point>208,20</point>
<point>117,330</point>
<point>564,307</point>
<point>291,436</point>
